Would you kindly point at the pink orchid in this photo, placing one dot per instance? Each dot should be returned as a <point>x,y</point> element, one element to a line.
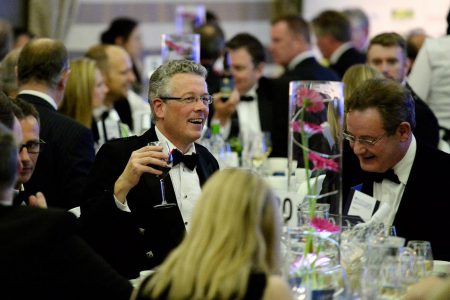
<point>323,225</point>
<point>321,163</point>
<point>311,100</point>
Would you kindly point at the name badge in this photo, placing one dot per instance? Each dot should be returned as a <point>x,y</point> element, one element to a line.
<point>362,205</point>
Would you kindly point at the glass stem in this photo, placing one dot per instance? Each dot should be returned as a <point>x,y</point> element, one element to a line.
<point>163,191</point>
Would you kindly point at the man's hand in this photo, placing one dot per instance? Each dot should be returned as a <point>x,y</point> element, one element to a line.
<point>38,200</point>
<point>224,110</point>
<point>143,160</point>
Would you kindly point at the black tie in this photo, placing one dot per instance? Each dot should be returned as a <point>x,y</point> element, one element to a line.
<point>247,98</point>
<point>389,174</point>
<point>189,161</point>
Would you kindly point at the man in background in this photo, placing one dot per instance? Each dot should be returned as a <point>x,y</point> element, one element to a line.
<point>61,171</point>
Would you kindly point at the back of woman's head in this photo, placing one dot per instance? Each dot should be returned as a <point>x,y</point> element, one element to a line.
<point>357,74</point>
<point>234,232</point>
<point>121,27</point>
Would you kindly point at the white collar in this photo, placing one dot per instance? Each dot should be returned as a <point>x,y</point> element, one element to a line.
<point>162,138</point>
<point>41,95</point>
<point>339,51</point>
<point>299,58</point>
<point>403,168</point>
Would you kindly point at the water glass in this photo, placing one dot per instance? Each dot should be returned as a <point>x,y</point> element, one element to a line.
<point>424,256</point>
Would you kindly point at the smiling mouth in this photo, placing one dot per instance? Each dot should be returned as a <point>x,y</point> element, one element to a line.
<point>198,121</point>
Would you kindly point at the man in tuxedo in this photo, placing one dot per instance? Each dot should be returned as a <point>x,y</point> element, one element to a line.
<point>120,219</point>
<point>291,47</point>
<point>41,254</point>
<point>252,111</point>
<point>387,54</point>
<point>61,171</point>
<point>334,39</point>
<point>398,171</point>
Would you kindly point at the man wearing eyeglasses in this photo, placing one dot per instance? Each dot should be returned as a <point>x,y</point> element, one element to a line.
<point>121,218</point>
<point>400,174</point>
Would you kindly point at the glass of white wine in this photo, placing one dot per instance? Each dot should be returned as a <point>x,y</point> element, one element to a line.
<point>261,147</point>
<point>422,250</point>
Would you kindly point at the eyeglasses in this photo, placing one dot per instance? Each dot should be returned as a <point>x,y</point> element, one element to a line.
<point>33,147</point>
<point>365,141</point>
<point>206,99</point>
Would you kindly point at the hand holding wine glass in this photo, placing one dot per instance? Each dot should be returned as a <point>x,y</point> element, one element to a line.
<point>165,170</point>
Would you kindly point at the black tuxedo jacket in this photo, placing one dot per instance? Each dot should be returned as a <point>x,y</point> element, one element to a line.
<point>63,166</point>
<point>424,207</point>
<point>348,58</point>
<point>308,69</point>
<point>42,257</point>
<point>140,240</point>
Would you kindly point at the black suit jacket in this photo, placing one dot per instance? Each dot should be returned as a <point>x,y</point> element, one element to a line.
<point>308,69</point>
<point>63,166</point>
<point>139,240</point>
<point>424,207</point>
<point>42,257</point>
<point>349,58</point>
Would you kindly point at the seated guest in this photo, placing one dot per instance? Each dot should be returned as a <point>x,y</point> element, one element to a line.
<point>119,218</point>
<point>41,256</point>
<point>29,150</point>
<point>398,170</point>
<point>232,250</point>
<point>62,169</point>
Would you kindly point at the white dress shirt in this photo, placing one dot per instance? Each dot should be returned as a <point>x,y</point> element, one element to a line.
<point>299,58</point>
<point>186,184</point>
<point>430,77</point>
<point>248,114</point>
<point>391,193</point>
<point>339,51</point>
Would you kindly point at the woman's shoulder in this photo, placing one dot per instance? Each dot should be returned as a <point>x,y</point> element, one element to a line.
<point>277,288</point>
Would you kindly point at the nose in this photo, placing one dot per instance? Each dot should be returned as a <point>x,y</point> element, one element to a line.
<point>24,155</point>
<point>358,148</point>
<point>131,77</point>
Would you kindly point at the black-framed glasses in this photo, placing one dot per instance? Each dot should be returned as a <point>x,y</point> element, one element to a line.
<point>33,147</point>
<point>206,99</point>
<point>365,141</point>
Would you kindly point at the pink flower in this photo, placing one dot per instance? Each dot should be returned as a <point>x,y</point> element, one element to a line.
<point>321,163</point>
<point>309,128</point>
<point>323,225</point>
<point>311,100</point>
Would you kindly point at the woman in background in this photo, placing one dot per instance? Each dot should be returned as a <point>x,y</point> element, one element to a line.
<point>84,94</point>
<point>232,249</point>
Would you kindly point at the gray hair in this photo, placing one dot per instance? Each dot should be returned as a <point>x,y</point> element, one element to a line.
<point>160,79</point>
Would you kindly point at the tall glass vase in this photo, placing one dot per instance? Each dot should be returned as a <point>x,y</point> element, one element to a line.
<point>316,111</point>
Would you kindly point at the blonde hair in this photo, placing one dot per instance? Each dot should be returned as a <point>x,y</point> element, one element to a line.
<point>357,74</point>
<point>235,232</point>
<point>77,102</point>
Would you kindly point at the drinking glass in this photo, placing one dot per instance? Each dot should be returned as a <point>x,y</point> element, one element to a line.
<point>422,250</point>
<point>261,147</point>
<point>165,170</point>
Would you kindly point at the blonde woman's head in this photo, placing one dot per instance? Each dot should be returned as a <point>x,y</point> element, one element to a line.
<point>357,74</point>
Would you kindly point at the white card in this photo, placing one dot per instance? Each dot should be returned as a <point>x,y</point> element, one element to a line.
<point>362,205</point>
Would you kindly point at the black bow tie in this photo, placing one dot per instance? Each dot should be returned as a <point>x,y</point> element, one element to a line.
<point>247,98</point>
<point>389,174</point>
<point>189,161</point>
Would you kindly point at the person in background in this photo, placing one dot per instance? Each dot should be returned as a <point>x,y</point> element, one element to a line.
<point>359,22</point>
<point>334,39</point>
<point>119,219</point>
<point>236,223</point>
<point>42,248</point>
<point>387,54</point>
<point>61,171</point>
<point>125,32</point>
<point>430,78</point>
<point>30,147</point>
<point>291,47</point>
<point>8,78</point>
<point>84,96</point>
<point>255,106</point>
<point>116,67</point>
<point>414,41</point>
<point>399,171</point>
<point>21,37</point>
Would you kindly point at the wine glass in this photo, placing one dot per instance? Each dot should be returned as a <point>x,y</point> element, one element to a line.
<point>165,171</point>
<point>422,250</point>
<point>261,147</point>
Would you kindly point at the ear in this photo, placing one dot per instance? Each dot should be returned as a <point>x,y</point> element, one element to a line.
<point>159,108</point>
<point>408,66</point>
<point>119,41</point>
<point>259,68</point>
<point>64,77</point>
<point>404,131</point>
